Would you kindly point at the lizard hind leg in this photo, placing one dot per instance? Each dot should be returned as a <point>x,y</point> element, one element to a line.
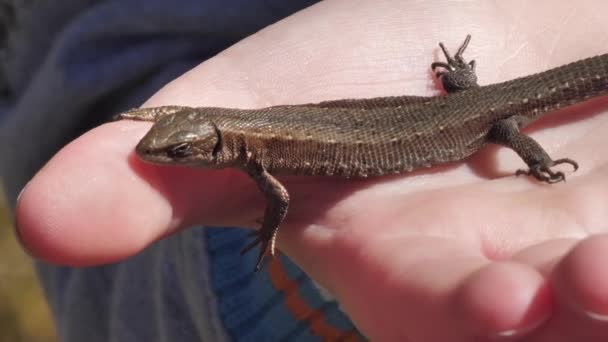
<point>506,132</point>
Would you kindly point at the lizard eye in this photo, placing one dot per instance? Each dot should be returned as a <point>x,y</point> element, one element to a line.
<point>180,150</point>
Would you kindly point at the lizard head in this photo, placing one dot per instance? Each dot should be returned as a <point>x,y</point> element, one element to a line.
<point>181,139</point>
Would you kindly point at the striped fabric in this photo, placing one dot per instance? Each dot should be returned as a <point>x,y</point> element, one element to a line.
<point>290,305</point>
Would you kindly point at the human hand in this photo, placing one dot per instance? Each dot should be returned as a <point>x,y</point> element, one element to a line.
<point>454,253</point>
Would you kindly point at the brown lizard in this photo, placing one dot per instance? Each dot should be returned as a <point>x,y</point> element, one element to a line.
<point>370,137</point>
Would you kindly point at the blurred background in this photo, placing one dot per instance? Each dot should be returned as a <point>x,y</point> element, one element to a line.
<point>24,314</point>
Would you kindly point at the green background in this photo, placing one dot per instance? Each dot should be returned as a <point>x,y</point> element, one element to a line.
<point>24,314</point>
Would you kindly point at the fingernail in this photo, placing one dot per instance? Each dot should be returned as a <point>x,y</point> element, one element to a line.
<point>596,316</point>
<point>511,333</point>
<point>508,333</point>
<point>16,224</point>
<point>21,192</point>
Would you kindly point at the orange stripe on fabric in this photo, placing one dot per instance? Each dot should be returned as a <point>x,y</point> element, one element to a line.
<point>301,310</point>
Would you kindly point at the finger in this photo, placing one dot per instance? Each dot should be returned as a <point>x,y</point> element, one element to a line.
<point>578,280</point>
<point>505,300</point>
<point>404,290</point>
<point>546,255</point>
<point>95,202</point>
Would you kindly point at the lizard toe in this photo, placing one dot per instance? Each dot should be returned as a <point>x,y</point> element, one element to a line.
<point>556,177</point>
<point>258,240</point>
<point>266,243</point>
<point>566,161</point>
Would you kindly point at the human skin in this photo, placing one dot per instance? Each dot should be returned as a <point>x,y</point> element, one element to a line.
<point>460,252</point>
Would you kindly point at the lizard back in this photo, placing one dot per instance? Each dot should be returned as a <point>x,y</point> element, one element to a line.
<point>372,137</point>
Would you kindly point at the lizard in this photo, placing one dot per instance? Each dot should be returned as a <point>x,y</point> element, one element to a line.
<point>358,138</point>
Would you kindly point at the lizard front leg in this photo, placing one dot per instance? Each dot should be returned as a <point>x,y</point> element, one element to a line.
<point>506,133</point>
<point>277,202</point>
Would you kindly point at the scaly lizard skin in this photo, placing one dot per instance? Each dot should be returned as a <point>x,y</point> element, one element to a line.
<point>370,137</point>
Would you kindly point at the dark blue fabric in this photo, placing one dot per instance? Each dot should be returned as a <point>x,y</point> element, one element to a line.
<point>67,66</point>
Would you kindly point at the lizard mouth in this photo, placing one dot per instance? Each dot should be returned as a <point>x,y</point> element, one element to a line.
<point>152,155</point>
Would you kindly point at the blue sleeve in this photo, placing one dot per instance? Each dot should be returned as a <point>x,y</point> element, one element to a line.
<point>69,65</point>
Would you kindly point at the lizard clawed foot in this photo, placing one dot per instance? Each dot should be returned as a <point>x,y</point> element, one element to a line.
<point>266,242</point>
<point>544,173</point>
